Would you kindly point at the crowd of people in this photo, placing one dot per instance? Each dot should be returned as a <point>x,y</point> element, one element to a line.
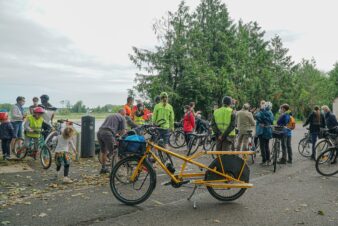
<point>226,124</point>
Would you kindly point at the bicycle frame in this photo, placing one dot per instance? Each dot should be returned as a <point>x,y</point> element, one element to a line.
<point>178,178</point>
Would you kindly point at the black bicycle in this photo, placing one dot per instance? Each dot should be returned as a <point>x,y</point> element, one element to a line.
<point>277,135</point>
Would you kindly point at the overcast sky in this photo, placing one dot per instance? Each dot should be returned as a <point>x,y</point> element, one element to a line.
<point>78,50</point>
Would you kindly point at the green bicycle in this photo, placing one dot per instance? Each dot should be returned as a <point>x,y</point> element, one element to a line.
<point>35,147</point>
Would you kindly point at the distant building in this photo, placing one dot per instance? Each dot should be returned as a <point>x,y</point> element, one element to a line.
<point>335,106</point>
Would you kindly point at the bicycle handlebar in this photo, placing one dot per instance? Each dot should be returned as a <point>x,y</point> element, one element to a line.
<point>67,121</point>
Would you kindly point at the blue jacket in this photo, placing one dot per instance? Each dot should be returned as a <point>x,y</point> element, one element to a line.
<point>6,131</point>
<point>283,120</point>
<point>265,118</point>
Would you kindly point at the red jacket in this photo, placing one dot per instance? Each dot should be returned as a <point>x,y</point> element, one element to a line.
<point>188,122</point>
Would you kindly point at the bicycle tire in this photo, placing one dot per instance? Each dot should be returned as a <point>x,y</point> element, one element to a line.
<point>179,139</point>
<point>45,157</point>
<point>19,148</point>
<point>50,142</point>
<point>213,148</point>
<point>193,144</point>
<point>324,162</point>
<point>232,166</point>
<point>172,140</point>
<point>128,163</point>
<point>305,148</point>
<point>164,157</point>
<point>207,143</point>
<point>321,146</point>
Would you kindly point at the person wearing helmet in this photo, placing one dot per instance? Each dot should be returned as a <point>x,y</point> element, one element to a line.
<point>138,114</point>
<point>264,119</point>
<point>223,125</point>
<point>33,126</point>
<point>35,104</point>
<point>164,116</point>
<point>48,115</point>
<point>18,115</point>
<point>6,135</point>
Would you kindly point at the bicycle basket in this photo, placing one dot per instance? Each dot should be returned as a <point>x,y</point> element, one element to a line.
<point>130,147</point>
<point>278,134</point>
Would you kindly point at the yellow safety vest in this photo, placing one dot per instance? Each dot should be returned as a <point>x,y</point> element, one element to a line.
<point>139,120</point>
<point>36,125</point>
<point>223,119</point>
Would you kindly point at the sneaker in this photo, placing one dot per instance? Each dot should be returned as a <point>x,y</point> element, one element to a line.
<point>289,161</point>
<point>67,180</point>
<point>268,162</point>
<point>104,171</point>
<point>281,161</point>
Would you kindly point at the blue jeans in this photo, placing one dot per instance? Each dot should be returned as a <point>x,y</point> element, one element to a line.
<point>17,125</point>
<point>314,136</point>
<point>164,134</point>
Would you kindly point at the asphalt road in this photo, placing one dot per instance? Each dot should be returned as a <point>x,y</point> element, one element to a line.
<point>295,195</point>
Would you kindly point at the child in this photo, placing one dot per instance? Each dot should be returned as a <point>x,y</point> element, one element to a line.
<point>6,134</point>
<point>62,152</point>
<point>33,126</point>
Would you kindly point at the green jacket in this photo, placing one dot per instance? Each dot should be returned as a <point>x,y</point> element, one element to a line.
<point>165,113</point>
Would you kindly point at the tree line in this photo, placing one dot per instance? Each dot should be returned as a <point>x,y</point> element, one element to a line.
<point>203,55</point>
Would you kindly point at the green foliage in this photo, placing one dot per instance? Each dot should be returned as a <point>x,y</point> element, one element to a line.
<point>204,55</point>
<point>6,107</point>
<point>78,107</point>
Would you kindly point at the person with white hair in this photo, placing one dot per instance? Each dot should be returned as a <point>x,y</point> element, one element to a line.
<point>330,119</point>
<point>245,123</point>
<point>265,119</point>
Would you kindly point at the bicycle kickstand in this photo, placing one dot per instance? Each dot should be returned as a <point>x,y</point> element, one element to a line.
<point>189,198</point>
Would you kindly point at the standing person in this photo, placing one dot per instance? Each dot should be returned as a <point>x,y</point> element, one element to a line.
<point>138,115</point>
<point>164,115</point>
<point>188,123</point>
<point>316,120</point>
<point>128,106</point>
<point>223,124</point>
<point>112,126</point>
<point>330,119</point>
<point>18,115</point>
<point>261,108</point>
<point>62,152</point>
<point>245,122</point>
<point>264,120</point>
<point>6,135</point>
<point>284,120</point>
<point>48,115</point>
<point>35,104</point>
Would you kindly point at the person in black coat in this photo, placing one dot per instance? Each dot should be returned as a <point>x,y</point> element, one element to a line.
<point>316,120</point>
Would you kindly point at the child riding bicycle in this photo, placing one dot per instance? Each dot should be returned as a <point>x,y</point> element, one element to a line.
<point>32,127</point>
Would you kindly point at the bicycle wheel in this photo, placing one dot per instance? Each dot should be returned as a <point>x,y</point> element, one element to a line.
<point>193,144</point>
<point>132,192</point>
<point>45,157</point>
<point>207,143</point>
<point>321,146</point>
<point>213,148</point>
<point>179,139</point>
<point>326,163</point>
<point>19,148</point>
<point>305,147</point>
<point>51,141</point>
<point>172,140</point>
<point>232,166</point>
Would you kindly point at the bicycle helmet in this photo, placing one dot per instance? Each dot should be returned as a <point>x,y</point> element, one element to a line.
<point>39,110</point>
<point>3,115</point>
<point>44,97</point>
